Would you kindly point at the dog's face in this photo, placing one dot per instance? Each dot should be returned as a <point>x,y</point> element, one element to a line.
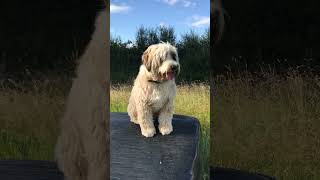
<point>162,61</point>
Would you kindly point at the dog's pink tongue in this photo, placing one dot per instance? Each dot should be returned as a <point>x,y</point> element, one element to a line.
<point>170,75</point>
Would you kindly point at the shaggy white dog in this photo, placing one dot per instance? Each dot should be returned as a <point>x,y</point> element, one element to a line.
<point>154,89</point>
<point>82,147</point>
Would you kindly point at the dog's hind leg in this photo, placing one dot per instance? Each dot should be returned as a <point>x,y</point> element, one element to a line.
<point>132,112</point>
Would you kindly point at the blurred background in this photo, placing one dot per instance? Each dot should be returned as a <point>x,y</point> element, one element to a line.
<point>269,35</point>
<point>266,89</point>
<point>40,42</point>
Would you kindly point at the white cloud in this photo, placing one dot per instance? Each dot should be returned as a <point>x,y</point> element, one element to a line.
<point>119,8</point>
<point>188,3</point>
<point>163,24</point>
<point>170,2</point>
<point>200,21</point>
<point>185,3</point>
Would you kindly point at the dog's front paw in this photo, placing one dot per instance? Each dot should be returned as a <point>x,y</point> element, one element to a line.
<point>148,132</point>
<point>167,129</point>
<point>134,120</point>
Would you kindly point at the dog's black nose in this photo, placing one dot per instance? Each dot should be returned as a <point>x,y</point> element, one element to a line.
<point>174,68</point>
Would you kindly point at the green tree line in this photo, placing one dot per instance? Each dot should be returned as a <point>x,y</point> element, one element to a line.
<point>193,51</point>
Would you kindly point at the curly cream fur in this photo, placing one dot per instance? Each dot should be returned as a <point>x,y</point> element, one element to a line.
<point>149,98</point>
<point>82,147</point>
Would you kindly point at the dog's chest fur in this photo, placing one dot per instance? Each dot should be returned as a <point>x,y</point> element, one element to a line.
<point>155,95</point>
<point>159,95</point>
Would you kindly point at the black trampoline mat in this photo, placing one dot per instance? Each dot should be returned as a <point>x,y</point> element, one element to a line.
<point>169,157</point>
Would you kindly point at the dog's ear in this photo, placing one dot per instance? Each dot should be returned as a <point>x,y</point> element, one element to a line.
<point>145,59</point>
<point>218,22</point>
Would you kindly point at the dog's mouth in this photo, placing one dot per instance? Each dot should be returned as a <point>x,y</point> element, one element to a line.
<point>170,75</point>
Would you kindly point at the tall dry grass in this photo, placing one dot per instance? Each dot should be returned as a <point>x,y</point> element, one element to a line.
<point>268,125</point>
<point>29,120</point>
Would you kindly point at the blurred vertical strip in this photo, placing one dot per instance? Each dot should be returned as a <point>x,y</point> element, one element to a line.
<point>216,30</point>
<point>107,2</point>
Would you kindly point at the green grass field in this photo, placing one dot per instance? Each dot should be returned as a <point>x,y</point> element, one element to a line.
<point>192,100</point>
<point>269,126</point>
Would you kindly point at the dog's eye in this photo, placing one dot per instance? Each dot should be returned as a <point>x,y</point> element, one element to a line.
<point>173,55</point>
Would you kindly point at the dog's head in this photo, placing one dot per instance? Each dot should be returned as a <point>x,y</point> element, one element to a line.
<point>162,61</point>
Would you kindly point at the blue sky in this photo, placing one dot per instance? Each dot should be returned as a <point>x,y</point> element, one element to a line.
<point>183,15</point>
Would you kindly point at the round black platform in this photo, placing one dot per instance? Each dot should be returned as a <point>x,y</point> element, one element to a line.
<point>170,157</point>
